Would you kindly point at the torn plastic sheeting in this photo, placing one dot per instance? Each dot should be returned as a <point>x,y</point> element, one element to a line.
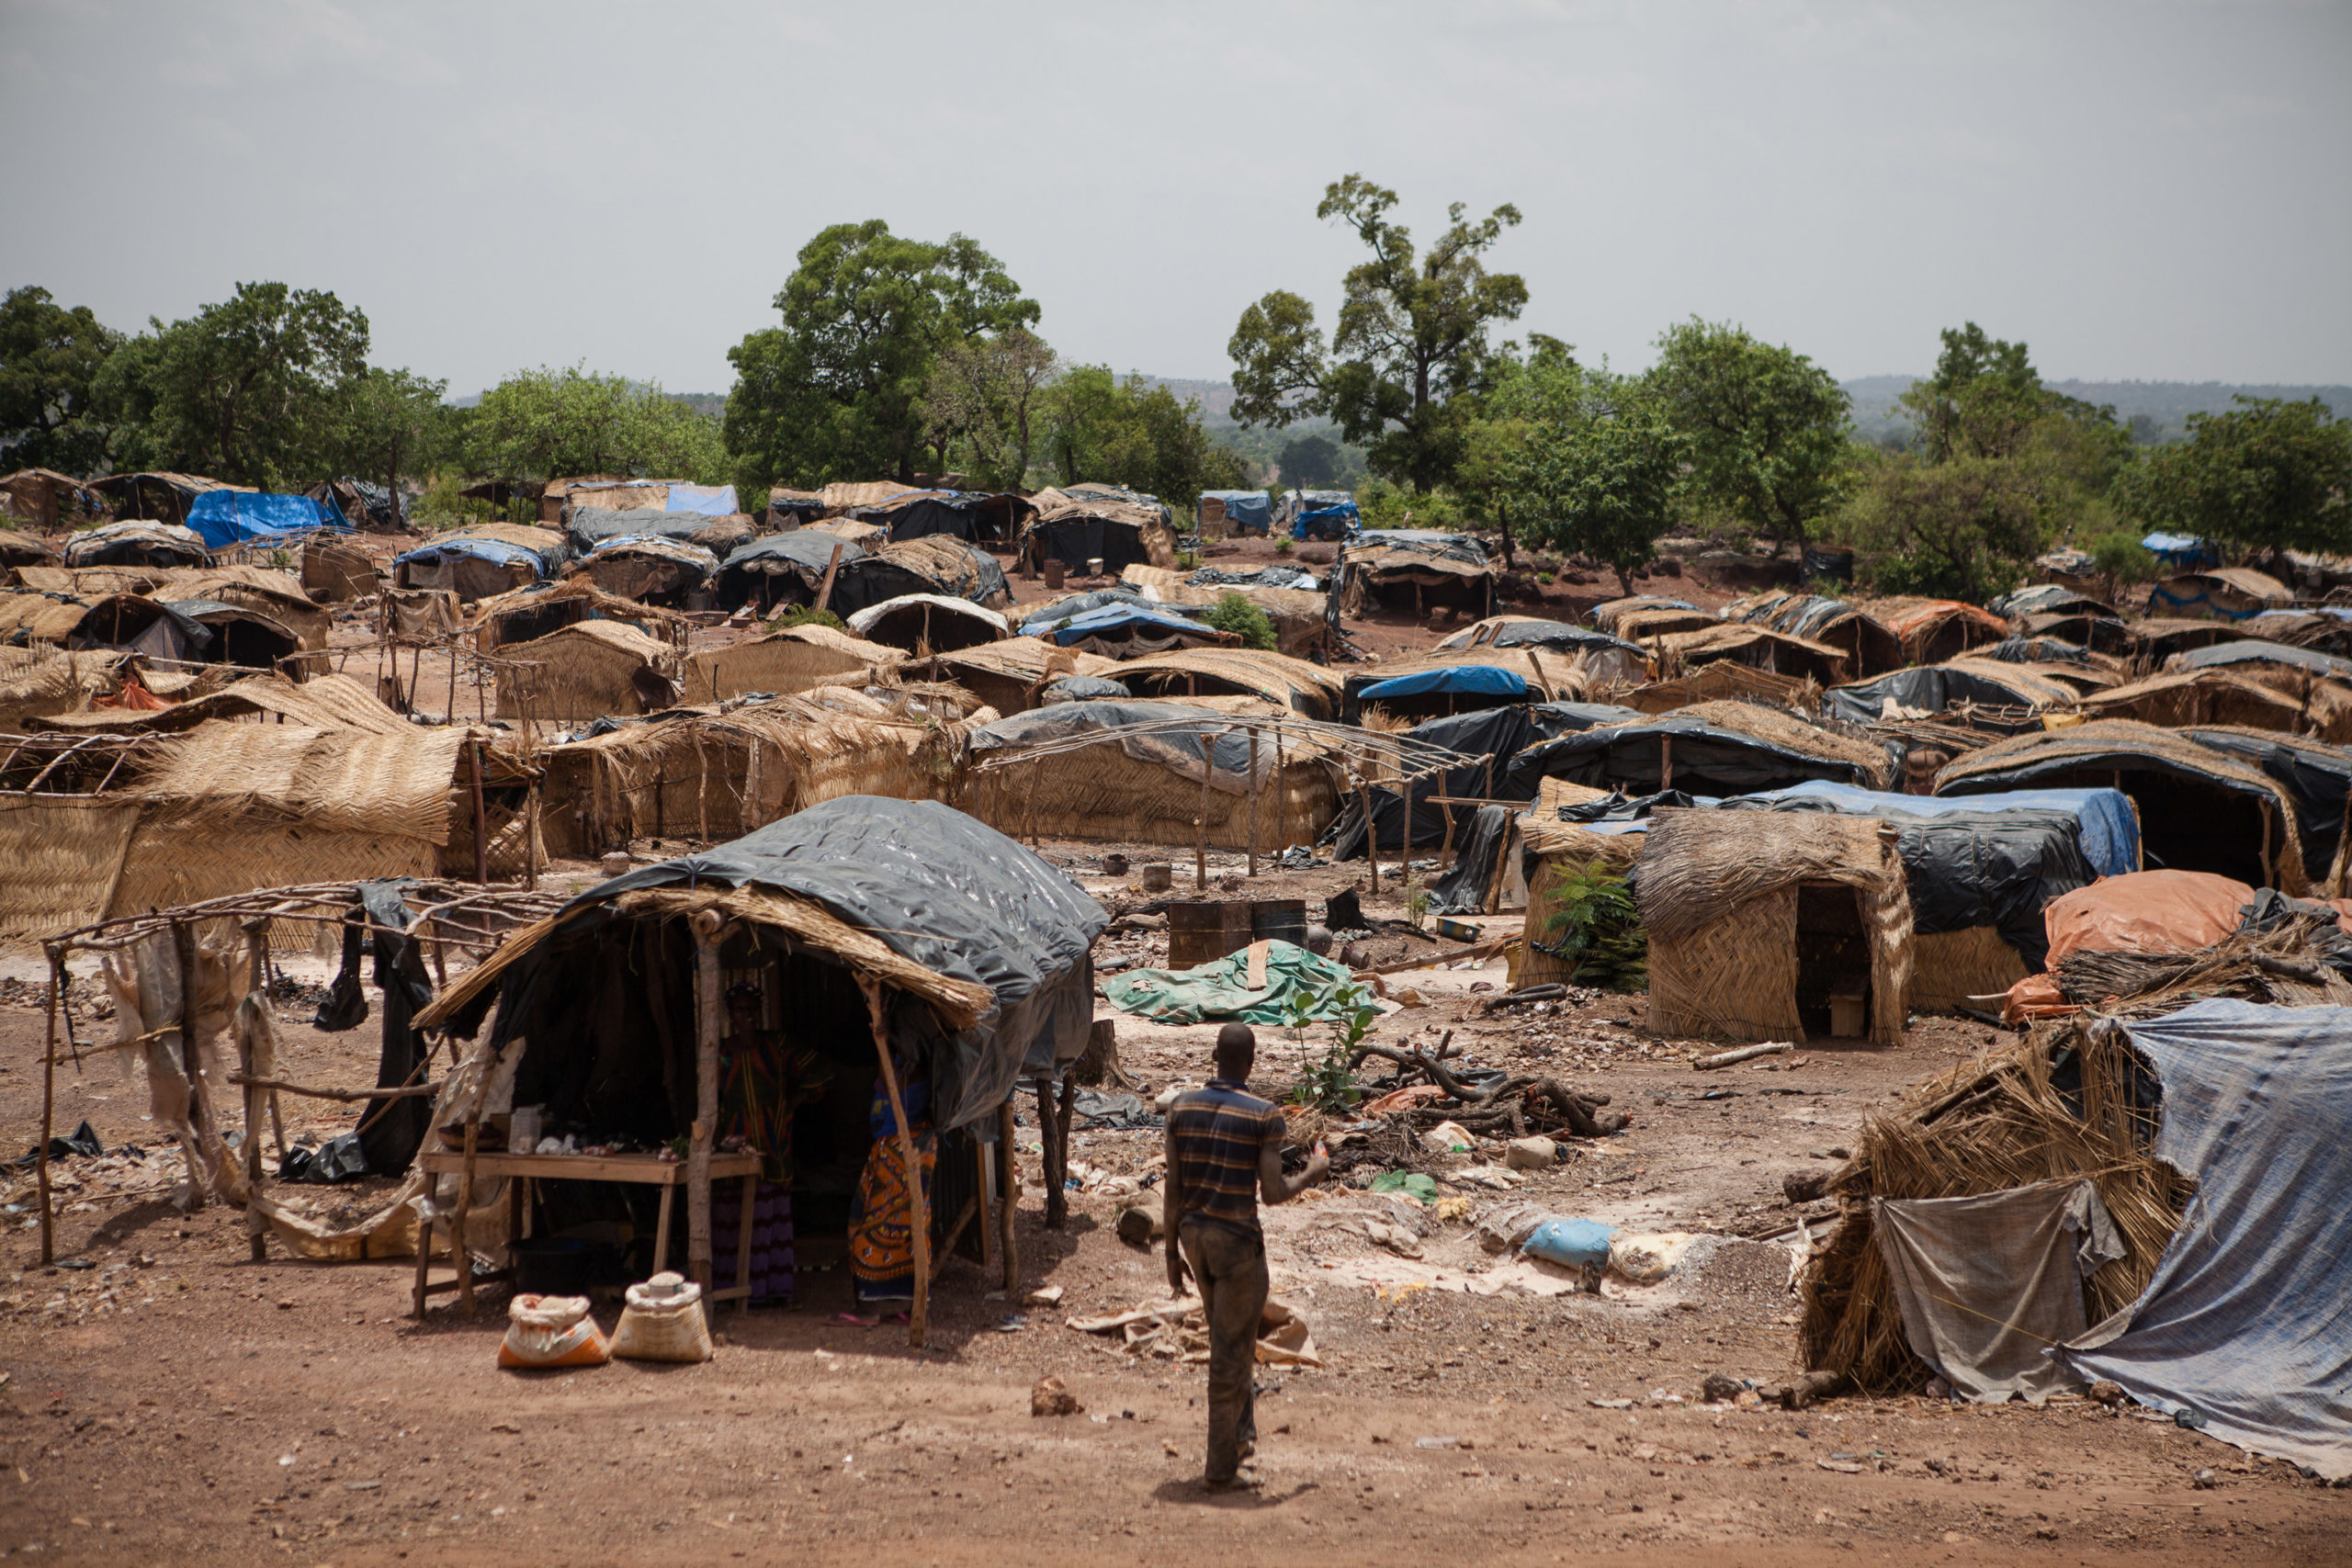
<point>2110,827</point>
<point>1925,689</point>
<point>1221,989</point>
<point>1503,730</point>
<point>2148,912</point>
<point>1727,761</point>
<point>1197,732</point>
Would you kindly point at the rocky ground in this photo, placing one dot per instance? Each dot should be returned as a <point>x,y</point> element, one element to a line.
<point>160,1395</point>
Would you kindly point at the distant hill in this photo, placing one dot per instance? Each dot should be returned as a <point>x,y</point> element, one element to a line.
<point>2164,405</point>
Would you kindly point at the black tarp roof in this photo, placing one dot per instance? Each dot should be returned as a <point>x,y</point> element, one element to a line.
<point>1504,731</point>
<point>2319,777</point>
<point>1929,688</point>
<point>804,549</point>
<point>1708,760</point>
<point>890,573</point>
<point>586,526</point>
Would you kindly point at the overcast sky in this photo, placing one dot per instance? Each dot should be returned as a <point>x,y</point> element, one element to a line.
<point>2139,190</point>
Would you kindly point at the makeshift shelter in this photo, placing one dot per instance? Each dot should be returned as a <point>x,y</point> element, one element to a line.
<point>1123,624</point>
<point>1154,772</point>
<point>590,670</point>
<point>791,509</point>
<point>618,488</point>
<point>934,565</point>
<point>647,568</point>
<point>1292,600</point>
<point>2266,658</point>
<point>1220,514</point>
<point>2199,809</point>
<point>1649,615</point>
<point>44,498</point>
<point>2230,697</point>
<point>1603,659</point>
<point>20,550</point>
<point>2159,638</point>
<point>481,561</point>
<point>241,636</point>
<point>2326,627</point>
<point>2317,776</point>
<point>713,774</point>
<point>792,659</point>
<point>904,928</point>
<point>131,622</point>
<point>1118,532</point>
<point>1010,676</point>
<point>1307,689</point>
<point>1869,646</point>
<point>925,622</point>
<point>1978,692</point>
<point>99,825</point>
<point>527,612</point>
<point>1444,804</point>
<point>1431,685</point>
<point>2102,633</point>
<point>362,504</point>
<point>1775,927</point>
<point>1712,748</point>
<point>1725,680</point>
<point>137,543</point>
<point>44,679</point>
<point>2225,593</point>
<point>2051,599</point>
<point>1417,570</point>
<point>226,517</point>
<point>974,516</point>
<point>1306,515</point>
<point>1934,630</point>
<point>1551,851</point>
<point>337,572</point>
<point>157,497</point>
<point>325,701</point>
<point>780,570</point>
<point>1758,647</point>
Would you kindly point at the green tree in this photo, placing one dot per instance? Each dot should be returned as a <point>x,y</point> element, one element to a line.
<point>50,361</point>
<point>837,391</point>
<point>1766,427</point>
<point>1233,613</point>
<point>2263,475</point>
<point>547,424</point>
<point>987,396</point>
<point>1962,529</point>
<point>1597,466</point>
<point>393,426</point>
<point>1409,355</point>
<point>249,390</point>
<point>1133,433</point>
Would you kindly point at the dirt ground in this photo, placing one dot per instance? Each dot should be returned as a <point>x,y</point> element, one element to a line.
<point>173,1402</point>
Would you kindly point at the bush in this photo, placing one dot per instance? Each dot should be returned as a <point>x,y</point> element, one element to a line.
<point>804,615</point>
<point>1594,924</point>
<point>2121,557</point>
<point>1234,613</point>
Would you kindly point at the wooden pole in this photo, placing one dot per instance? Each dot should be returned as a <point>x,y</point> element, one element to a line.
<point>1253,800</point>
<point>708,1009</point>
<point>1665,762</point>
<point>257,941</point>
<point>1056,1195</point>
<point>482,819</point>
<point>1201,827</point>
<point>1281,802</point>
<point>49,1107</point>
<point>453,678</point>
<point>1009,1189</point>
<point>1371,834</point>
<point>918,1209</point>
<point>825,594</point>
<point>200,1115</point>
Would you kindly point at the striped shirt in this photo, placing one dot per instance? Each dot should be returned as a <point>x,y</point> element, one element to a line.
<point>1214,1135</point>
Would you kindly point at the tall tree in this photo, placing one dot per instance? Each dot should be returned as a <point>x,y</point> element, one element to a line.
<point>1590,461</point>
<point>837,390</point>
<point>546,423</point>
<point>1133,433</point>
<point>1962,528</point>
<point>987,394</point>
<point>249,390</point>
<point>50,360</point>
<point>1766,427</point>
<point>391,423</point>
<point>2266,474</point>
<point>1409,354</point>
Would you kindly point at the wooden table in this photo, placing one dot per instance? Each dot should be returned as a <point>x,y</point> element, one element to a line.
<point>523,1169</point>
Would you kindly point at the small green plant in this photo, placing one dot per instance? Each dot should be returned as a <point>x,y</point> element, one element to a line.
<point>1284,545</point>
<point>281,559</point>
<point>803,615</point>
<point>1416,898</point>
<point>1596,926</point>
<point>1327,1078</point>
<point>1234,613</point>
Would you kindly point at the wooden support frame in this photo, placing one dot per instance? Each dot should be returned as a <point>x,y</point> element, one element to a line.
<point>919,1208</point>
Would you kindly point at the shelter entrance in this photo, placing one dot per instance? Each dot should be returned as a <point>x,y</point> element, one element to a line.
<point>1833,962</point>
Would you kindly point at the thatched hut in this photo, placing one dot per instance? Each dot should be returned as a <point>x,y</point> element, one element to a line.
<point>20,550</point>
<point>1725,680</point>
<point>1771,927</point>
<point>647,568</point>
<point>1869,646</point>
<point>481,561</point>
<point>1417,570</point>
<point>936,564</point>
<point>158,496</point>
<point>44,679</point>
<point>1009,676</point>
<point>101,825</point>
<point>1983,692</point>
<point>2293,662</point>
<point>792,659</point>
<point>1148,773</point>
<point>928,622</point>
<point>2225,592</point>
<point>2317,775</point>
<point>2310,705</point>
<point>137,543</point>
<point>43,497</point>
<point>590,670</point>
<point>851,925</point>
<point>1307,689</point>
<point>1646,615</point>
<point>1936,629</point>
<point>1118,532</point>
<point>2199,809</point>
<point>544,607</point>
<point>1455,680</point>
<point>325,701</point>
<point>1301,626</point>
<point>1604,659</point>
<point>701,773</point>
<point>1758,647</point>
<point>781,570</point>
<point>1551,851</point>
<point>1712,748</point>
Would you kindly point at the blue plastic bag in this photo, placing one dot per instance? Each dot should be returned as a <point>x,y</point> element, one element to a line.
<point>1572,1243</point>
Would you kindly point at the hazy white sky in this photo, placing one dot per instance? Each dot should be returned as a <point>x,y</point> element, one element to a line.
<point>2140,190</point>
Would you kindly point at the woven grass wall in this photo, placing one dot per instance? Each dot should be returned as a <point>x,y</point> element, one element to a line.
<point>1950,968</point>
<point>1100,793</point>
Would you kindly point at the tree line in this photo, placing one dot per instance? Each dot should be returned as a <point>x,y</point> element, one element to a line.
<point>893,356</point>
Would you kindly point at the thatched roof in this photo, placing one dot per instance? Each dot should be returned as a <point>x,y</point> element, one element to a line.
<point>579,597</point>
<point>324,701</point>
<point>1306,688</point>
<point>1726,678</point>
<point>1869,645</point>
<point>38,682</point>
<point>792,659</point>
<point>1758,646</point>
<point>2229,697</point>
<point>590,668</point>
<point>1646,615</point>
<point>1696,864</point>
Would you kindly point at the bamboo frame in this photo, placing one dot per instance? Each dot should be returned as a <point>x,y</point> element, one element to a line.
<point>919,1208</point>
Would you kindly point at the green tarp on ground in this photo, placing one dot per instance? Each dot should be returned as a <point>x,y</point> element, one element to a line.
<point>1221,990</point>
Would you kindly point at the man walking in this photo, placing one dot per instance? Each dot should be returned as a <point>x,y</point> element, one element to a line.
<point>1225,1149</point>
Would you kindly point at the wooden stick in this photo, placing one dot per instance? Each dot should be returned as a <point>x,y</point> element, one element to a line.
<point>1371,832</point>
<point>825,594</point>
<point>1744,1054</point>
<point>49,1107</point>
<point>199,1117</point>
<point>481,821</point>
<point>257,944</point>
<point>1056,1196</point>
<point>1200,833</point>
<point>918,1209</point>
<point>704,1131</point>
<point>1253,800</point>
<point>1009,1192</point>
<point>346,1095</point>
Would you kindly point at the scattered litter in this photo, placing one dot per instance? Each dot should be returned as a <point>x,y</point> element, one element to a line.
<point>1438,1443</point>
<point>1176,1331</point>
<point>1448,1138</point>
<point>1411,1183</point>
<point>1051,1396</point>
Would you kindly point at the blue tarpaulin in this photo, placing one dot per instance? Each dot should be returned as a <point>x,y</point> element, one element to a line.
<point>1462,680</point>
<point>1243,508</point>
<point>2110,829</point>
<point>1115,621</point>
<point>2247,1321</point>
<point>2180,551</point>
<point>710,501</point>
<point>223,517</point>
<point>496,551</point>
